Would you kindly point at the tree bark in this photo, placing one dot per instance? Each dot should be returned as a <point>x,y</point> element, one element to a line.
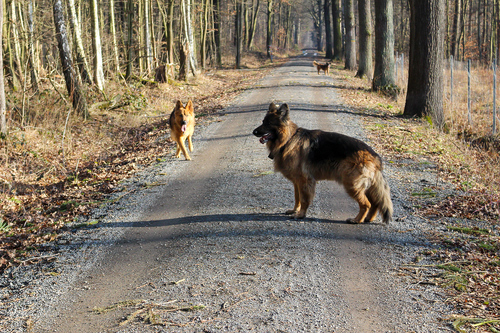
<point>365,68</point>
<point>269,28</point>
<point>96,46</point>
<point>31,48</point>
<point>3,106</point>
<point>113,35</point>
<point>81,58</point>
<point>350,36</point>
<point>383,76</point>
<point>425,78</point>
<point>253,24</point>
<point>328,29</point>
<point>239,33</point>
<point>456,28</point>
<point>71,79</point>
<point>188,29</point>
<point>147,37</point>
<point>217,34</point>
<point>337,30</point>
<point>130,20</point>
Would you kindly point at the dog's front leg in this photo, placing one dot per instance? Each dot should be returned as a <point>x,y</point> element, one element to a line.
<point>296,207</point>
<point>306,195</point>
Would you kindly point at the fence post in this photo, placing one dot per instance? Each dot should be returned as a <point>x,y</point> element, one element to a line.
<point>494,96</point>
<point>451,81</point>
<point>468,93</point>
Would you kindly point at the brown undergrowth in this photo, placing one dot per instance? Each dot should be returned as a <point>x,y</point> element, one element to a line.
<point>467,262</point>
<point>55,166</point>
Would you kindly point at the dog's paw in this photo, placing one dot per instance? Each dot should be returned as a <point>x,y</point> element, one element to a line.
<point>291,212</point>
<point>353,221</point>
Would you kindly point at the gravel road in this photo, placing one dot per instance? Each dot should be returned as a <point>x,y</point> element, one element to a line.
<point>203,246</point>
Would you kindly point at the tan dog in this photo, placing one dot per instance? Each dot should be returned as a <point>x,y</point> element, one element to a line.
<point>322,67</point>
<point>182,127</point>
<point>307,156</point>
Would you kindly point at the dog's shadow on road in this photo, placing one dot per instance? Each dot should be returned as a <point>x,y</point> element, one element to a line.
<point>215,226</point>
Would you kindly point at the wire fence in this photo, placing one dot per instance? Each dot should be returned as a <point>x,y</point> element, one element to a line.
<point>470,93</point>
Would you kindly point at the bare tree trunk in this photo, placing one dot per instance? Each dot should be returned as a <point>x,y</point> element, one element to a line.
<point>130,20</point>
<point>365,40</point>
<point>204,33</point>
<point>147,37</point>
<point>81,58</point>
<point>253,24</point>
<point>3,107</point>
<point>336,30</point>
<point>269,28</point>
<point>96,45</point>
<point>31,48</point>
<point>113,35</point>
<point>188,29</point>
<point>217,34</point>
<point>424,96</point>
<point>239,33</point>
<point>350,37</point>
<point>383,77</point>
<point>328,29</point>
<point>72,84</point>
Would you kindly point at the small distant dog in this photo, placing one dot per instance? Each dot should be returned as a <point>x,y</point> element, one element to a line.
<point>322,67</point>
<point>181,127</point>
<point>307,156</point>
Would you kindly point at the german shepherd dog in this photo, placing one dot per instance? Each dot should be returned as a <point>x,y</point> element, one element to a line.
<point>307,156</point>
<point>322,67</point>
<point>181,127</point>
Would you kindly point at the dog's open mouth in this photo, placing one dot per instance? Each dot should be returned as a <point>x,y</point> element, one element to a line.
<point>266,137</point>
<point>183,128</point>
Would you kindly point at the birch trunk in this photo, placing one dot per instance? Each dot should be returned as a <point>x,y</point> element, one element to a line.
<point>31,47</point>
<point>81,58</point>
<point>97,47</point>
<point>113,34</point>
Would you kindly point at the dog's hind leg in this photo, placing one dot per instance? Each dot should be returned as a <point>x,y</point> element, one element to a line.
<point>358,194</point>
<point>296,207</point>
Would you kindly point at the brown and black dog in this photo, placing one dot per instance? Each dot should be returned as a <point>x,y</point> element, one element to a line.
<point>307,156</point>
<point>182,127</point>
<point>322,67</point>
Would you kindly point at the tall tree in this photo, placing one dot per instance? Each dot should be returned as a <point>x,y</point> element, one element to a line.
<point>81,58</point>
<point>269,27</point>
<point>253,24</point>
<point>383,75</point>
<point>70,77</point>
<point>112,26</point>
<point>365,68</point>
<point>424,96</point>
<point>188,29</point>
<point>96,45</point>
<point>456,28</point>
<point>204,33</point>
<point>336,30</point>
<point>3,107</point>
<point>147,36</point>
<point>328,29</point>
<point>239,32</point>
<point>350,35</point>
<point>130,25</point>
<point>217,33</point>
<point>31,48</point>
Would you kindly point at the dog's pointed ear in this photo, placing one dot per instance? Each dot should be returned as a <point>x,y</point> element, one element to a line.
<point>283,111</point>
<point>189,106</point>
<point>178,105</point>
<point>273,107</point>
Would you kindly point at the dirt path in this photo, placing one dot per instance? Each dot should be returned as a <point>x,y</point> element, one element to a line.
<point>215,228</point>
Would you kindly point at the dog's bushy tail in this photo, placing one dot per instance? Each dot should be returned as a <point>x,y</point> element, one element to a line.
<point>315,63</point>
<point>380,195</point>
